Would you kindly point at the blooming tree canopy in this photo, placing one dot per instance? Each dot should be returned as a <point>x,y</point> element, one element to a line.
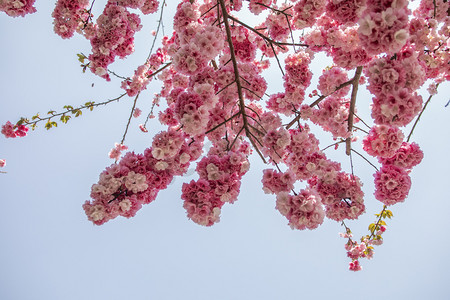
<point>213,70</point>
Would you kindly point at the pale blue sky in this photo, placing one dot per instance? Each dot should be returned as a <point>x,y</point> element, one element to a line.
<point>50,251</point>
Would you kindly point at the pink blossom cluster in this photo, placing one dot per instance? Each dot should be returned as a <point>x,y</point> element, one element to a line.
<point>307,12</point>
<point>297,78</point>
<point>276,182</point>
<point>114,36</point>
<point>136,179</point>
<point>219,182</point>
<point>331,115</point>
<point>303,210</point>
<point>383,141</point>
<point>356,251</point>
<point>192,108</point>
<point>392,184</point>
<point>146,6</point>
<point>116,152</point>
<point>139,81</point>
<point>304,158</point>
<point>68,15</point>
<point>346,12</point>
<point>383,26</point>
<point>2,163</point>
<point>278,26</point>
<point>331,79</point>
<point>393,82</point>
<point>17,8</point>
<point>341,195</point>
<point>255,6</point>
<point>10,130</point>
<point>406,157</point>
<point>275,142</point>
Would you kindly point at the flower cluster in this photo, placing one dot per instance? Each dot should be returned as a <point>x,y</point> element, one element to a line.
<point>17,8</point>
<point>276,182</point>
<point>392,184</point>
<point>406,157</point>
<point>114,36</point>
<point>219,182</point>
<point>136,179</point>
<point>116,152</point>
<point>383,141</point>
<point>68,15</point>
<point>11,131</point>
<point>304,210</point>
<point>383,26</point>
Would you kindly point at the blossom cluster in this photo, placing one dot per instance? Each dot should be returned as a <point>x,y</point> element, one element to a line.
<point>219,183</point>
<point>17,8</point>
<point>10,130</point>
<point>68,16</point>
<point>136,179</point>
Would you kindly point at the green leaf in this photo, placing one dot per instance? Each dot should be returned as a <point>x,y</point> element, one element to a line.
<point>78,113</point>
<point>48,125</point>
<point>81,57</point>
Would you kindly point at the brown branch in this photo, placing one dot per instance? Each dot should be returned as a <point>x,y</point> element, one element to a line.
<point>351,112</point>
<point>222,123</point>
<point>297,118</point>
<point>129,119</point>
<point>237,77</point>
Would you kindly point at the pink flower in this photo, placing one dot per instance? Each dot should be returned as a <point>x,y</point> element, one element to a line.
<point>142,128</point>
<point>2,163</point>
<point>11,131</point>
<point>392,184</point>
<point>137,112</point>
<point>354,266</point>
<point>117,151</point>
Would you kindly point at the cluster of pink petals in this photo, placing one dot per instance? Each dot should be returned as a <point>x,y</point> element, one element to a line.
<point>383,26</point>
<point>68,15</point>
<point>2,163</point>
<point>114,36</point>
<point>406,157</point>
<point>146,6</point>
<point>255,5</point>
<point>341,194</point>
<point>392,184</point>
<point>17,8</point>
<point>274,142</point>
<point>219,182</point>
<point>136,179</point>
<point>383,141</point>
<point>354,266</point>
<point>345,12</point>
<point>306,12</point>
<point>116,152</point>
<point>275,182</point>
<point>297,78</point>
<point>10,130</point>
<point>138,82</point>
<point>331,79</point>
<point>331,115</point>
<point>305,159</point>
<point>393,82</point>
<point>304,210</point>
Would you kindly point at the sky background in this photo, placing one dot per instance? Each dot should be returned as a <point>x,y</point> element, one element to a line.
<point>49,250</point>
